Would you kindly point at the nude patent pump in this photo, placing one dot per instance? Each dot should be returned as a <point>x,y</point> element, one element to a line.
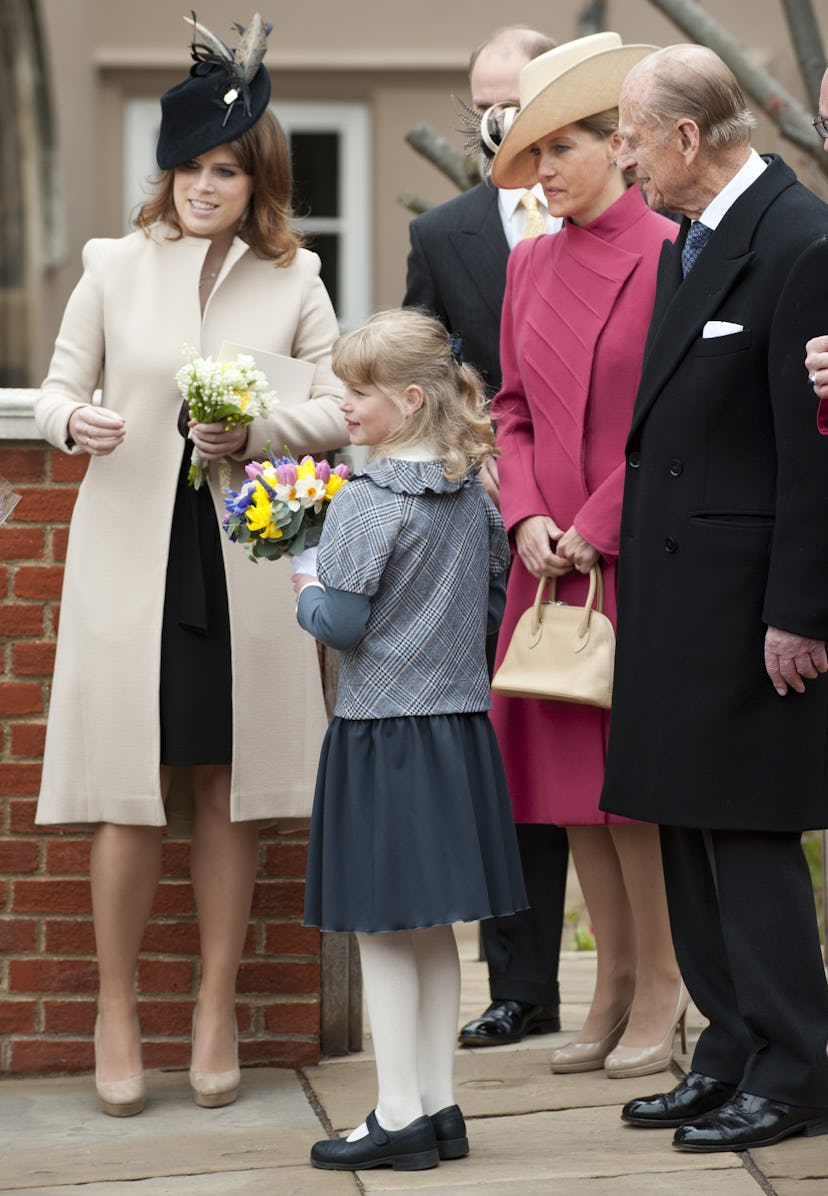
<point>587,1056</point>
<point>214,1089</point>
<point>119,1098</point>
<point>625,1062</point>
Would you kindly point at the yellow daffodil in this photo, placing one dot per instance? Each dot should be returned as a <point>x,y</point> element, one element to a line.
<point>258,516</point>
<point>335,482</point>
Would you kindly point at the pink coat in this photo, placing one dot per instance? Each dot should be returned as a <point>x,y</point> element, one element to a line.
<point>575,318</point>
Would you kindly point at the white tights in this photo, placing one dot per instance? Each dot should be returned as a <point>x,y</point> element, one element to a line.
<point>412,990</point>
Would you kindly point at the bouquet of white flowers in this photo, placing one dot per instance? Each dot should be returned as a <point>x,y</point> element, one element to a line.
<point>233,391</point>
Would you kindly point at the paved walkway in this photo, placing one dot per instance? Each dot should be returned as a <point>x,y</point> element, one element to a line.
<point>532,1133</point>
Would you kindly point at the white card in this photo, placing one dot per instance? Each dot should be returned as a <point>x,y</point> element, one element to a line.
<point>289,377</point>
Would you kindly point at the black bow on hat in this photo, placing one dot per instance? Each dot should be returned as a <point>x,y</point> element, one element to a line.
<point>224,95</point>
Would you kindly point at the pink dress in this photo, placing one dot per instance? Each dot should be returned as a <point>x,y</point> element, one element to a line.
<point>575,316</point>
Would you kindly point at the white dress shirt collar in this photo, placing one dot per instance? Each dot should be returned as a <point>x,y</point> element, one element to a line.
<point>716,210</point>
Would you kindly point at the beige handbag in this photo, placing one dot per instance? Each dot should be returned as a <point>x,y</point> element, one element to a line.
<point>561,652</point>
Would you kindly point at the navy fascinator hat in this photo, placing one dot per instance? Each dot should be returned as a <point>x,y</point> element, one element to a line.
<point>224,95</point>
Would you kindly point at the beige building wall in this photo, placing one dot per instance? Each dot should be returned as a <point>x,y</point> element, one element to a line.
<point>400,59</point>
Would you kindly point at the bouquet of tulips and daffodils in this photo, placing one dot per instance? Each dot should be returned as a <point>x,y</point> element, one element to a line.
<point>280,509</point>
<point>232,391</point>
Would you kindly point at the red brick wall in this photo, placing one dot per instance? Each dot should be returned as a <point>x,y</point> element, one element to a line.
<point>48,974</point>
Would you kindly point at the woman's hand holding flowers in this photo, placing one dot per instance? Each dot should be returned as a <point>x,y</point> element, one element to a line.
<point>216,440</point>
<point>96,430</point>
<point>535,540</point>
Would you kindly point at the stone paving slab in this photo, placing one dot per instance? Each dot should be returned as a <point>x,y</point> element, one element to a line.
<point>52,1132</point>
<point>661,1183</point>
<point>799,1187</point>
<point>286,1181</point>
<point>487,1082</point>
<point>559,1147</point>
<point>795,1159</point>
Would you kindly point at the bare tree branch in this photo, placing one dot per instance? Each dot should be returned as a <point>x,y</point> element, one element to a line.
<point>592,18</point>
<point>778,104</point>
<point>414,202</point>
<point>455,165</point>
<point>806,40</point>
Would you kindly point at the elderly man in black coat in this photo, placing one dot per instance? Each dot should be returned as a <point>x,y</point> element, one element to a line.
<point>720,711</point>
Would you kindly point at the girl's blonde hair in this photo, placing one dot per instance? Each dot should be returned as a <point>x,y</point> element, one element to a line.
<point>261,152</point>
<point>406,347</point>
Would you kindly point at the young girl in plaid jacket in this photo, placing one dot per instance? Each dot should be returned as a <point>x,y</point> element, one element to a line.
<point>412,827</point>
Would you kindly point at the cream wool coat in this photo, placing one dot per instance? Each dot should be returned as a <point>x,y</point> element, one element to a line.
<point>135,306</point>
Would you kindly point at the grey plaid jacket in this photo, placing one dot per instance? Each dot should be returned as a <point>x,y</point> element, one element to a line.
<point>425,552</point>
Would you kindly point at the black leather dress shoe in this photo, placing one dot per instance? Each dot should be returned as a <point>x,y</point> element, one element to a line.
<point>413,1148</point>
<point>450,1131</point>
<point>510,1021</point>
<point>747,1121</point>
<point>692,1098</point>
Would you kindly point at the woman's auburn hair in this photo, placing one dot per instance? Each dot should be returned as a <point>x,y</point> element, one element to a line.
<point>262,153</point>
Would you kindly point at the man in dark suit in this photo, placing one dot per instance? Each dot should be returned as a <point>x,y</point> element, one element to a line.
<point>457,270</point>
<point>720,708</point>
<point>816,362</point>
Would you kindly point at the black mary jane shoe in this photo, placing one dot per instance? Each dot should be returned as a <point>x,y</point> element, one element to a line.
<point>510,1021</point>
<point>450,1132</point>
<point>692,1098</point>
<point>747,1121</point>
<point>413,1148</point>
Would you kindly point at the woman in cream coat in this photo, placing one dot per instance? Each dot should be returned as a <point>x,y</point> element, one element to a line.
<point>214,260</point>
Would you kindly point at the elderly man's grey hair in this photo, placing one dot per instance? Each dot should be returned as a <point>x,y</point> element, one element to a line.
<point>690,81</point>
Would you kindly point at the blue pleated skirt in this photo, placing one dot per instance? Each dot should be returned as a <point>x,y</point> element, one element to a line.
<point>412,826</point>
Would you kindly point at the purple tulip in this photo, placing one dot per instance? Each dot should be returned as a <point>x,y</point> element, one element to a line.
<point>287,474</point>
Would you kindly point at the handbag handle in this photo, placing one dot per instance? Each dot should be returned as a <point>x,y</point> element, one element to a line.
<point>595,595</point>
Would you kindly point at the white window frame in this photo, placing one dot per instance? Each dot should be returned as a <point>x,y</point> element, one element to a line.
<point>351,121</point>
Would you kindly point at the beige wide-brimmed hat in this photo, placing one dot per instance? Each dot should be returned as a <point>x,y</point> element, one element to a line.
<point>566,84</point>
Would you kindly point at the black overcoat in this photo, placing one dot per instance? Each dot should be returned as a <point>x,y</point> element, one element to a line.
<point>457,271</point>
<point>725,531</point>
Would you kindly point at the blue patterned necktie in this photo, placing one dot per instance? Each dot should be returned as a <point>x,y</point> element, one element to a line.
<point>697,237</point>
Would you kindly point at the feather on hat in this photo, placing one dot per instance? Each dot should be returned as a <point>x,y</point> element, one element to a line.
<point>224,95</point>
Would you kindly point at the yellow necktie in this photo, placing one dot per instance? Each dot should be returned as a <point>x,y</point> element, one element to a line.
<point>535,223</point>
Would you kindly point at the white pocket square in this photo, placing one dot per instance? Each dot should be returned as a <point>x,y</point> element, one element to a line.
<point>720,328</point>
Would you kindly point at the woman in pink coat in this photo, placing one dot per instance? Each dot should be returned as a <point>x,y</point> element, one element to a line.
<point>575,318</point>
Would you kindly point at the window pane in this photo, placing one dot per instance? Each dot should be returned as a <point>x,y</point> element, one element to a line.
<point>327,246</point>
<point>315,173</point>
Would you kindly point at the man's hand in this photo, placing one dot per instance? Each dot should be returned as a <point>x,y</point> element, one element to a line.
<point>792,659</point>
<point>816,363</point>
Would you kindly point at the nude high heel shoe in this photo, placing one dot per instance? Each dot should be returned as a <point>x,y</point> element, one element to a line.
<point>119,1098</point>
<point>214,1089</point>
<point>587,1056</point>
<point>625,1062</point>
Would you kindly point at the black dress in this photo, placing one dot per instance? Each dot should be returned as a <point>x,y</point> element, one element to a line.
<point>196,707</point>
